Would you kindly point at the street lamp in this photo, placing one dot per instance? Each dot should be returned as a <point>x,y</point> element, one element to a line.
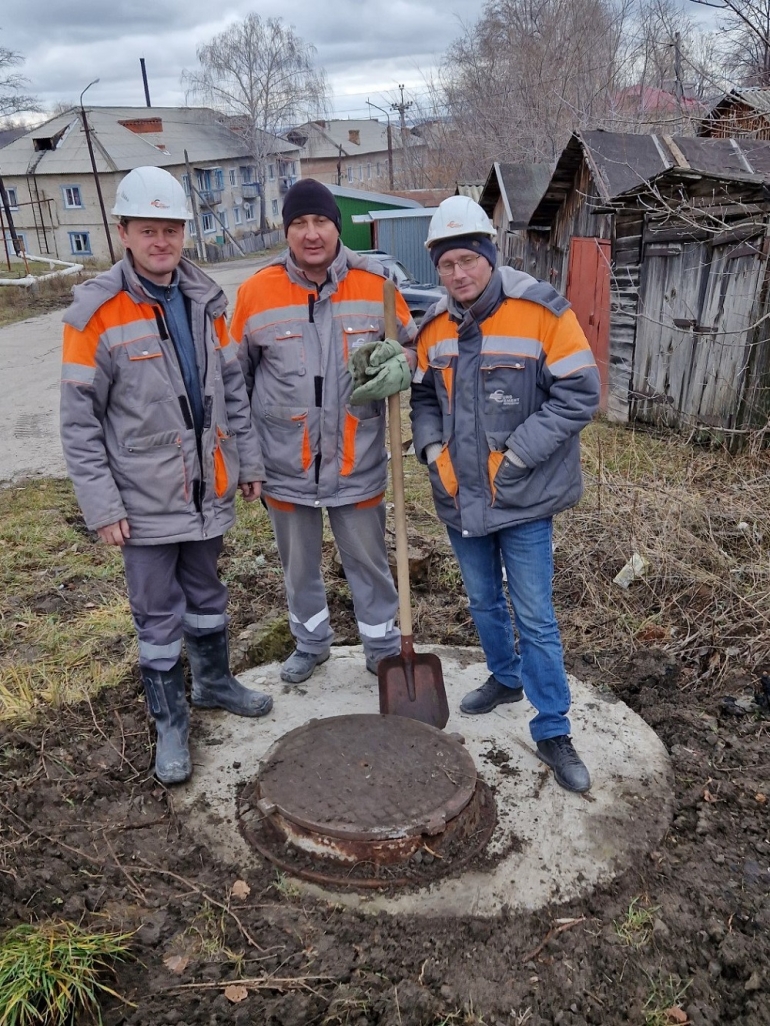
<point>93,168</point>
<point>390,141</point>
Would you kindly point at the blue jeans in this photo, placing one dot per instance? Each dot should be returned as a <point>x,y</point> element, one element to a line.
<point>538,666</point>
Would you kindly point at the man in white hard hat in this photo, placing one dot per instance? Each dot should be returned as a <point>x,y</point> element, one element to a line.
<point>318,368</point>
<point>504,384</point>
<point>157,436</point>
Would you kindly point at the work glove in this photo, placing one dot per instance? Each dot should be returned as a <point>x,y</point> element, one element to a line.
<point>432,451</point>
<point>515,459</point>
<point>386,371</point>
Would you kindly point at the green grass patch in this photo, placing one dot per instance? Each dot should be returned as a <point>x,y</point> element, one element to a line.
<point>51,972</point>
<point>65,624</point>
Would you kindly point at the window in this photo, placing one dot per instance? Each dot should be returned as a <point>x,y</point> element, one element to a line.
<point>368,170</point>
<point>249,211</point>
<point>247,175</point>
<point>237,215</point>
<point>207,223</point>
<point>13,201</point>
<point>379,169</point>
<point>191,229</point>
<point>350,173</point>
<point>72,197</point>
<point>218,178</point>
<point>223,218</point>
<point>232,176</point>
<point>275,208</point>
<point>9,241</point>
<point>186,184</point>
<point>271,172</point>
<point>80,243</point>
<point>360,172</point>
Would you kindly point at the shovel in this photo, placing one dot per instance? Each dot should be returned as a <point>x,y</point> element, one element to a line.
<point>410,684</point>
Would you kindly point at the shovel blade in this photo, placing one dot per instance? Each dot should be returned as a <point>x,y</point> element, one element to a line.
<point>413,686</point>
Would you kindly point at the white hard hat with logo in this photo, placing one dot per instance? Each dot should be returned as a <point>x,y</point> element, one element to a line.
<point>458,215</point>
<point>151,192</point>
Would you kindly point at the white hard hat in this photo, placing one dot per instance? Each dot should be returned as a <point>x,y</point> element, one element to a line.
<point>151,192</point>
<point>458,215</point>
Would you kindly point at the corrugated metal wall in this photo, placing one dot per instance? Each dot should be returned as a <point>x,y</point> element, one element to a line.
<point>404,238</point>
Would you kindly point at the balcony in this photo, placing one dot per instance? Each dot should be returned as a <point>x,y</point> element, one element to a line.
<point>250,190</point>
<point>285,182</point>
<point>210,196</point>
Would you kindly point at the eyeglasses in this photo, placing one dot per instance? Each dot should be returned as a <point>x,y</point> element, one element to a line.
<point>446,268</point>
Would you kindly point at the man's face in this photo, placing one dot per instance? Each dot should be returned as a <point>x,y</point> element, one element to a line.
<point>464,274</point>
<point>156,247</point>
<point>313,240</point>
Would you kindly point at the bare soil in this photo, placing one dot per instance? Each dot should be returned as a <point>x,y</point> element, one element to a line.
<point>87,834</point>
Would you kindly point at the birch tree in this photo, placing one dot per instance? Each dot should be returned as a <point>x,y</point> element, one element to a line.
<point>262,73</point>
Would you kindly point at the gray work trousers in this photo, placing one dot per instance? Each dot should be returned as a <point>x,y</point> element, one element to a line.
<point>173,589</point>
<point>360,536</point>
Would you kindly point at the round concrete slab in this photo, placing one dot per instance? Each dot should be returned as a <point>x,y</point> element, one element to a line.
<point>565,843</point>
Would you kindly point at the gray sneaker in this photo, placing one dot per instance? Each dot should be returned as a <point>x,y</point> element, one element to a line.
<point>568,768</point>
<point>300,665</point>
<point>491,694</point>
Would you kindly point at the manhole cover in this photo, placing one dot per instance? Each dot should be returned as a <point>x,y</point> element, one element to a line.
<point>367,797</point>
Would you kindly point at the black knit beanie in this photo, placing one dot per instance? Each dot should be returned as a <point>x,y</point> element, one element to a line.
<point>481,244</point>
<point>307,196</point>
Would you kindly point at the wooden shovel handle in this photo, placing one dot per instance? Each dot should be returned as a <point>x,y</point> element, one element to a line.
<point>397,472</point>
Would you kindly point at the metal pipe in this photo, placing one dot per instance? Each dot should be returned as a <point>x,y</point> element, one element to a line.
<point>144,79</point>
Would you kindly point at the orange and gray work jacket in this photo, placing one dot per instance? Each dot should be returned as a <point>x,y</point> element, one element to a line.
<point>512,372</point>
<point>126,427</point>
<point>296,338</point>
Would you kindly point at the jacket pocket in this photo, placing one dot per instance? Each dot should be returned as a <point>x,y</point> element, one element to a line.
<point>151,475</point>
<point>226,465</point>
<point>286,353</point>
<point>442,473</point>
<point>286,443</point>
<point>523,488</point>
<point>363,439</point>
<point>356,331</point>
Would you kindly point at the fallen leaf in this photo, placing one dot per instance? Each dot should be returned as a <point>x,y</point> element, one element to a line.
<point>176,963</point>
<point>708,796</point>
<point>761,798</point>
<point>675,1014</point>
<point>236,994</point>
<point>240,889</point>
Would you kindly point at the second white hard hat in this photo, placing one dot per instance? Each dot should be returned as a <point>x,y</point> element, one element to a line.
<point>151,192</point>
<point>458,215</point>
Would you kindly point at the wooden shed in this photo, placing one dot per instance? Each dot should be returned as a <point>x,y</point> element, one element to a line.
<point>660,244</point>
<point>510,194</point>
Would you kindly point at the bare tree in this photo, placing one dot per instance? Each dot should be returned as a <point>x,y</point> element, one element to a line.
<point>527,73</point>
<point>260,72</point>
<point>12,99</point>
<point>745,27</point>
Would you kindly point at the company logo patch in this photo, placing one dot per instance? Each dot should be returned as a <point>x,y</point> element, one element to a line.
<point>454,224</point>
<point>159,204</point>
<point>501,397</point>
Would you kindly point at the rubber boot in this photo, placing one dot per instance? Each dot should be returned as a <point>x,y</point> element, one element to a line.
<point>168,707</point>
<point>213,686</point>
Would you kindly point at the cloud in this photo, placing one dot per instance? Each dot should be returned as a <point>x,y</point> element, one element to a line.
<point>365,46</point>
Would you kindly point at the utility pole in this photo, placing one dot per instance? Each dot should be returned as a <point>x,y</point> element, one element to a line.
<point>389,136</point>
<point>200,245</point>
<point>339,165</point>
<point>678,83</point>
<point>95,172</point>
<point>402,108</point>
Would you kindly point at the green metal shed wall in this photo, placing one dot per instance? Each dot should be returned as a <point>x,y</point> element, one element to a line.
<point>359,236</point>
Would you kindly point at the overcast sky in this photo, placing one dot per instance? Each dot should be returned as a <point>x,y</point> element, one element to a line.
<point>367,47</point>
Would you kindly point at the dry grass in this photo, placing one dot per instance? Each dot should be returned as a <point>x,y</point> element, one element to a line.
<point>700,518</point>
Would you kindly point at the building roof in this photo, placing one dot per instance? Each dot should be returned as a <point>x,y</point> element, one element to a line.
<point>124,138</point>
<point>621,162</point>
<point>372,197</point>
<point>348,138</point>
<point>389,215</point>
<point>520,186</point>
<point>756,97</point>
